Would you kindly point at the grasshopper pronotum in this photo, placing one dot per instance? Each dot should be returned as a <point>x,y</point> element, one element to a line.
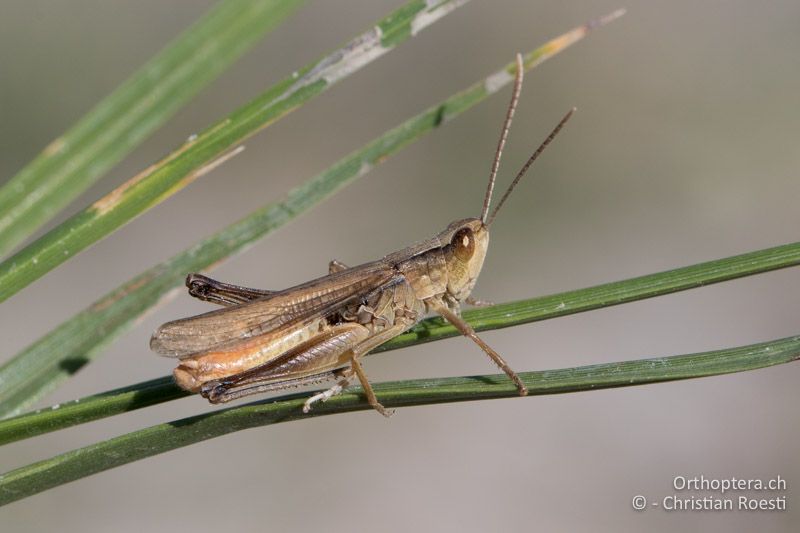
<point>269,340</point>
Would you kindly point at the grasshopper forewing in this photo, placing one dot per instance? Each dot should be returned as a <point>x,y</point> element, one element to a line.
<point>270,340</point>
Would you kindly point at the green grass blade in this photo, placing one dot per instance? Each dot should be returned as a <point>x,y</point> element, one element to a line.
<point>125,449</point>
<point>40,367</point>
<point>607,294</point>
<point>84,410</point>
<point>74,161</point>
<point>200,153</point>
<point>495,317</point>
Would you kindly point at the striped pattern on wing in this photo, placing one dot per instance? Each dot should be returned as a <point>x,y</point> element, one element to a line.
<point>296,305</point>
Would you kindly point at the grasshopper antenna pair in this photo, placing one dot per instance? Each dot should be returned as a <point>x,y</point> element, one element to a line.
<point>485,217</point>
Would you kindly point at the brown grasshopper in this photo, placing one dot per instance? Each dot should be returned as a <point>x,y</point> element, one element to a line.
<point>270,340</point>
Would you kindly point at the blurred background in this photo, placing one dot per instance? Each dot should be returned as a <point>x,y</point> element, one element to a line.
<point>684,150</point>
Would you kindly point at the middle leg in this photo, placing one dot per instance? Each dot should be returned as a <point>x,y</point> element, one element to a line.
<point>466,330</point>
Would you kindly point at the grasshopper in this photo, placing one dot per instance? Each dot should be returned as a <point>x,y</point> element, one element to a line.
<point>320,330</point>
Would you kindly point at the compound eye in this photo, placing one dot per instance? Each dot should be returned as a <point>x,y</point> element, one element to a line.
<point>463,243</point>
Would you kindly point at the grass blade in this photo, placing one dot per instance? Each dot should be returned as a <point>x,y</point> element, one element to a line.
<point>125,449</point>
<point>607,294</point>
<point>84,410</point>
<point>495,317</point>
<point>78,158</point>
<point>175,171</point>
<point>40,367</point>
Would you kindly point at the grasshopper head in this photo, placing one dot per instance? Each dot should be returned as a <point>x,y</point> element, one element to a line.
<point>468,240</point>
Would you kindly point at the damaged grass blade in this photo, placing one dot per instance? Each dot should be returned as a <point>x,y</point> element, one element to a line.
<point>40,367</point>
<point>175,171</point>
<point>78,158</point>
<point>76,464</point>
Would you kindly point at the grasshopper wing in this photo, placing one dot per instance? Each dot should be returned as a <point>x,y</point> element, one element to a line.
<point>300,304</point>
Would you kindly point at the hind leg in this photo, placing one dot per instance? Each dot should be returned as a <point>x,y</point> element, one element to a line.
<point>211,290</point>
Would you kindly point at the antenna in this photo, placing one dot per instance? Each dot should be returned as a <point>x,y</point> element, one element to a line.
<point>527,165</point>
<point>503,136</point>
